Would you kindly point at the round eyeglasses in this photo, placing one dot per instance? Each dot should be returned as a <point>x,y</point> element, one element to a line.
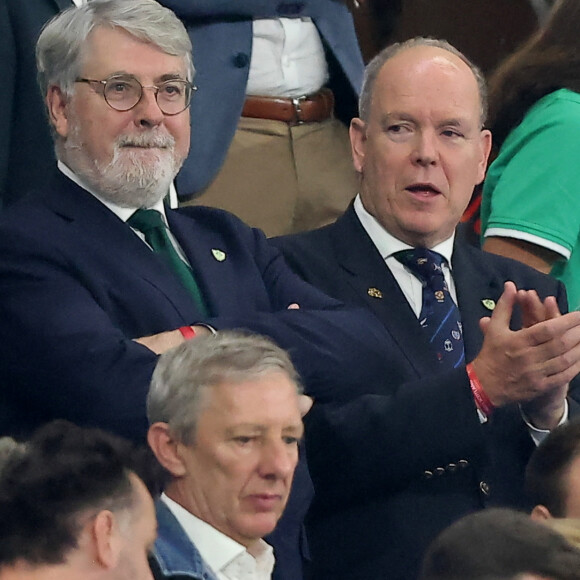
<point>122,93</point>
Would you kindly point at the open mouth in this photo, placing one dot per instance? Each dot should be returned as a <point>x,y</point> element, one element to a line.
<point>423,189</point>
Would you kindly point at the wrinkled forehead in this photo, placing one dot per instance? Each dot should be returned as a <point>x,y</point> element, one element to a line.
<point>428,74</point>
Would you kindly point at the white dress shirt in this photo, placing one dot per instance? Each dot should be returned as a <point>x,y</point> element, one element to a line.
<point>287,58</point>
<point>226,557</point>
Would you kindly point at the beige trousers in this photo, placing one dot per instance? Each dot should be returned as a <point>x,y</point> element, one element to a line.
<point>285,179</point>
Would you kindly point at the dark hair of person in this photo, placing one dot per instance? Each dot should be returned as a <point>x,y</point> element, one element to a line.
<point>549,465</point>
<point>548,61</point>
<point>66,475</point>
<point>499,543</point>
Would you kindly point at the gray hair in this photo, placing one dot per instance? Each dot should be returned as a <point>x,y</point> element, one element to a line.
<point>184,373</point>
<point>62,45</point>
<point>376,64</point>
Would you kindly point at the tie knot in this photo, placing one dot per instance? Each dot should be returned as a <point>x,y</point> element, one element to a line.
<point>146,219</point>
<point>424,263</point>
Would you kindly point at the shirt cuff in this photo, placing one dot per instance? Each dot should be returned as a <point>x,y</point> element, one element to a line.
<point>210,328</point>
<point>538,435</point>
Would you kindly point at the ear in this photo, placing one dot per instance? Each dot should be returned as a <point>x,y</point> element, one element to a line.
<point>57,103</point>
<point>485,144</point>
<point>358,137</point>
<point>107,539</point>
<point>540,513</point>
<point>165,448</point>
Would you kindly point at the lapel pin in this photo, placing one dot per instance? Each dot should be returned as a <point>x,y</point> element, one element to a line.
<point>488,303</point>
<point>218,255</point>
<point>374,293</point>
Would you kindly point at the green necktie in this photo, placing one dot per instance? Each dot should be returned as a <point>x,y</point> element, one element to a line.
<point>151,224</point>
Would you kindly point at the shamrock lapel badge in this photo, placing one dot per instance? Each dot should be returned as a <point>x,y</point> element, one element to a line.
<point>488,303</point>
<point>218,254</point>
<point>374,293</point>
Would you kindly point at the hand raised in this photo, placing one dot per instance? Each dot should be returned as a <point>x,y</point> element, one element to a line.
<point>518,366</point>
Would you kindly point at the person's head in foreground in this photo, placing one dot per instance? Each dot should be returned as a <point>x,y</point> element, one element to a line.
<point>553,474</point>
<point>225,422</point>
<point>500,543</point>
<point>117,78</point>
<point>72,506</point>
<point>419,144</point>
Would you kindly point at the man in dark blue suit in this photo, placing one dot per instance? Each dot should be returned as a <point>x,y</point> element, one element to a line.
<point>395,461</point>
<point>87,305</point>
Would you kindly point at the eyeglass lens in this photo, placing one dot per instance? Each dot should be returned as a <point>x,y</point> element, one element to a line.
<point>172,96</point>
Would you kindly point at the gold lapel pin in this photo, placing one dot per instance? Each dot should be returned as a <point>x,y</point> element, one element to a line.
<point>218,255</point>
<point>374,293</point>
<point>488,303</point>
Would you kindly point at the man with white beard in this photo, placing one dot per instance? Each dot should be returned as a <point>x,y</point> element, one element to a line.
<point>98,277</point>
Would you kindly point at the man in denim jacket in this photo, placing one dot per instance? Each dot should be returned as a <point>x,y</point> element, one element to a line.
<point>225,415</point>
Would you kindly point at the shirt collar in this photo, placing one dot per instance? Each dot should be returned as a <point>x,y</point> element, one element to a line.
<point>216,549</point>
<point>123,213</point>
<point>386,243</point>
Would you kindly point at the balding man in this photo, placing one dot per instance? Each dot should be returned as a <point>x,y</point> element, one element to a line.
<point>397,460</point>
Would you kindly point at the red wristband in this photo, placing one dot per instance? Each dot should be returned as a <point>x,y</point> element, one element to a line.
<point>187,332</point>
<point>481,399</point>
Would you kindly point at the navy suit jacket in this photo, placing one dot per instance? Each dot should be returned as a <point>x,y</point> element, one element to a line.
<point>26,147</point>
<point>77,285</point>
<point>221,34</point>
<point>398,460</point>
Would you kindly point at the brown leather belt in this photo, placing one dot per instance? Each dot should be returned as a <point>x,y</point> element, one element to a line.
<point>308,109</point>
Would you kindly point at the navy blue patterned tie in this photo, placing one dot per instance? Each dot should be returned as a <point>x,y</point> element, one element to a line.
<point>439,314</point>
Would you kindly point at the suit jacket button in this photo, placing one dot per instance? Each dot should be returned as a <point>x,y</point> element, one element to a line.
<point>240,60</point>
<point>439,471</point>
<point>484,487</point>
<point>427,474</point>
<point>463,463</point>
<point>451,467</point>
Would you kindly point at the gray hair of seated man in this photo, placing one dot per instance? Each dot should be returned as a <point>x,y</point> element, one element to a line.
<point>374,67</point>
<point>62,45</point>
<point>184,373</point>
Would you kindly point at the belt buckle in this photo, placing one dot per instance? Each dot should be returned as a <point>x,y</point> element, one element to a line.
<point>296,102</point>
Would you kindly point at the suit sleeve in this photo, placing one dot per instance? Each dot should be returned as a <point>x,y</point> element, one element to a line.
<point>387,441</point>
<point>63,356</point>
<point>336,349</point>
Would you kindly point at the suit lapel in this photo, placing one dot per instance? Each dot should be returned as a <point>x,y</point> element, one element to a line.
<point>93,221</point>
<point>478,288</point>
<point>209,258</point>
<point>373,283</point>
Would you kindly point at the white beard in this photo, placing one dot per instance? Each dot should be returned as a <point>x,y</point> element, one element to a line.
<point>139,174</point>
